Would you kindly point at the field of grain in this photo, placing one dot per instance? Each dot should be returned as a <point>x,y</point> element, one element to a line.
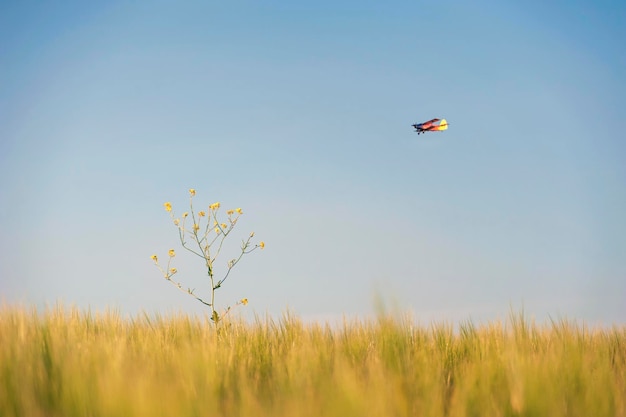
<point>67,362</point>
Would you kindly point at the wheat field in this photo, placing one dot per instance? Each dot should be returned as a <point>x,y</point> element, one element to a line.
<point>69,362</point>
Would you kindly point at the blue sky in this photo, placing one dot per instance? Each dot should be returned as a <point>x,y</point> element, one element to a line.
<point>300,113</point>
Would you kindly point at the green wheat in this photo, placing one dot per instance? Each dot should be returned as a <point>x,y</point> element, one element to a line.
<point>67,362</point>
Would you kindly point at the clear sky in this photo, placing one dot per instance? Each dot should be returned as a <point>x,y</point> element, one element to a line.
<point>301,113</point>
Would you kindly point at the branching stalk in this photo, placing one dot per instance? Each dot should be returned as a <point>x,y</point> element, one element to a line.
<point>221,230</point>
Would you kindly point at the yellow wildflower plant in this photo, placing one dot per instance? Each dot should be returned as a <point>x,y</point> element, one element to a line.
<point>201,242</point>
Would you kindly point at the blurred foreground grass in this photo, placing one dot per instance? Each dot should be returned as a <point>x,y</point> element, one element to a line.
<point>67,362</point>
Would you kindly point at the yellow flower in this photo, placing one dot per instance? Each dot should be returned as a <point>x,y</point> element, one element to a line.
<point>239,210</point>
<point>173,271</point>
<point>192,192</point>
<point>196,227</point>
<point>230,212</point>
<point>217,230</point>
<point>176,222</point>
<point>202,214</point>
<point>154,258</point>
<point>224,226</point>
<point>185,214</point>
<point>261,244</point>
<point>244,301</point>
<point>171,253</point>
<point>168,206</point>
<point>215,206</point>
